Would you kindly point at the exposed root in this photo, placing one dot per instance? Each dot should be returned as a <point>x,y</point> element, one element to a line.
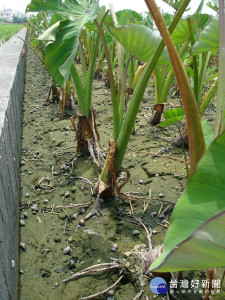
<point>92,270</point>
<point>103,292</point>
<point>95,211</point>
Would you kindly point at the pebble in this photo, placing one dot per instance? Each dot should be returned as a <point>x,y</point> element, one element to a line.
<point>110,293</point>
<point>153,214</point>
<point>161,195</point>
<point>67,194</point>
<point>162,216</point>
<point>23,163</point>
<point>45,201</point>
<point>81,222</point>
<point>34,207</point>
<point>136,232</point>
<point>25,214</point>
<point>154,231</point>
<point>29,173</point>
<point>67,250</point>
<point>22,223</point>
<point>27,195</point>
<point>74,216</point>
<point>141,181</point>
<point>114,247</point>
<point>23,246</point>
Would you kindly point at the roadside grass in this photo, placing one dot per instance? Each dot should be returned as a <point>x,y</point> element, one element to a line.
<point>8,30</point>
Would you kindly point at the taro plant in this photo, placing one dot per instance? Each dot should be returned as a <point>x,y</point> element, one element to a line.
<point>64,39</point>
<point>123,125</point>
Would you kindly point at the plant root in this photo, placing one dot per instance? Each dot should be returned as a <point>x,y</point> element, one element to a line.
<point>103,292</point>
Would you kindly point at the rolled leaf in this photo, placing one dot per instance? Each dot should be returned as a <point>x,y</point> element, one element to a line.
<point>196,237</point>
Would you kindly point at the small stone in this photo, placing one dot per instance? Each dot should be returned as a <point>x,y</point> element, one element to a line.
<point>56,284</point>
<point>35,141</point>
<point>72,263</point>
<point>23,163</point>
<point>153,214</point>
<point>136,232</point>
<point>47,179</point>
<point>114,248</point>
<point>47,250</point>
<point>161,195</point>
<point>67,194</point>
<point>23,246</point>
<point>53,140</point>
<point>25,214</point>
<point>56,173</point>
<point>162,216</point>
<point>22,223</point>
<point>34,207</point>
<point>27,195</point>
<point>74,216</point>
<point>67,250</point>
<point>141,181</point>
<point>45,201</point>
<point>83,211</point>
<point>110,293</point>
<point>21,272</point>
<point>29,172</point>
<point>157,175</point>
<point>82,222</point>
<point>154,231</point>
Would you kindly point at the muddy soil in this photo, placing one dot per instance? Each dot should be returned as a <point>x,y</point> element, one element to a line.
<point>47,183</point>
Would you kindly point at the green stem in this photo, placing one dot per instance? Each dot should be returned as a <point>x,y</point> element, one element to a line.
<point>210,94</point>
<point>219,121</point>
<point>195,62</point>
<point>112,83</point>
<point>195,133</point>
<point>79,91</point>
<point>202,72</point>
<point>171,75</point>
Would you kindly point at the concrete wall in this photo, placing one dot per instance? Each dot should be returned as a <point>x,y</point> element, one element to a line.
<point>12,77</point>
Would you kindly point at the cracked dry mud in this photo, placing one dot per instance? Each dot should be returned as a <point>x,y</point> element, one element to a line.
<point>46,183</point>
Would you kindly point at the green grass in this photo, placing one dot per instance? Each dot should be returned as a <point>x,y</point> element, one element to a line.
<point>8,30</point>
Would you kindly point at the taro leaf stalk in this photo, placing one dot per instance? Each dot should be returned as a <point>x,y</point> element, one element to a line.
<point>195,132</point>
<point>63,40</point>
<point>220,122</point>
<point>113,163</point>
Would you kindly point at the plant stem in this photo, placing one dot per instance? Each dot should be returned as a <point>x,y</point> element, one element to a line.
<point>220,106</point>
<point>112,82</point>
<point>195,133</point>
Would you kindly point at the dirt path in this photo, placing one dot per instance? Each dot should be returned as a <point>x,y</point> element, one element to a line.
<point>47,183</point>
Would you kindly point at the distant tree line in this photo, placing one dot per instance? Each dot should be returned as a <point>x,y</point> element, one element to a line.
<point>19,20</point>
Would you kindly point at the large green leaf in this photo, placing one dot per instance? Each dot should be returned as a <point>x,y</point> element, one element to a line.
<point>140,41</point>
<point>208,40</point>
<point>181,32</point>
<point>196,237</point>
<point>63,35</point>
